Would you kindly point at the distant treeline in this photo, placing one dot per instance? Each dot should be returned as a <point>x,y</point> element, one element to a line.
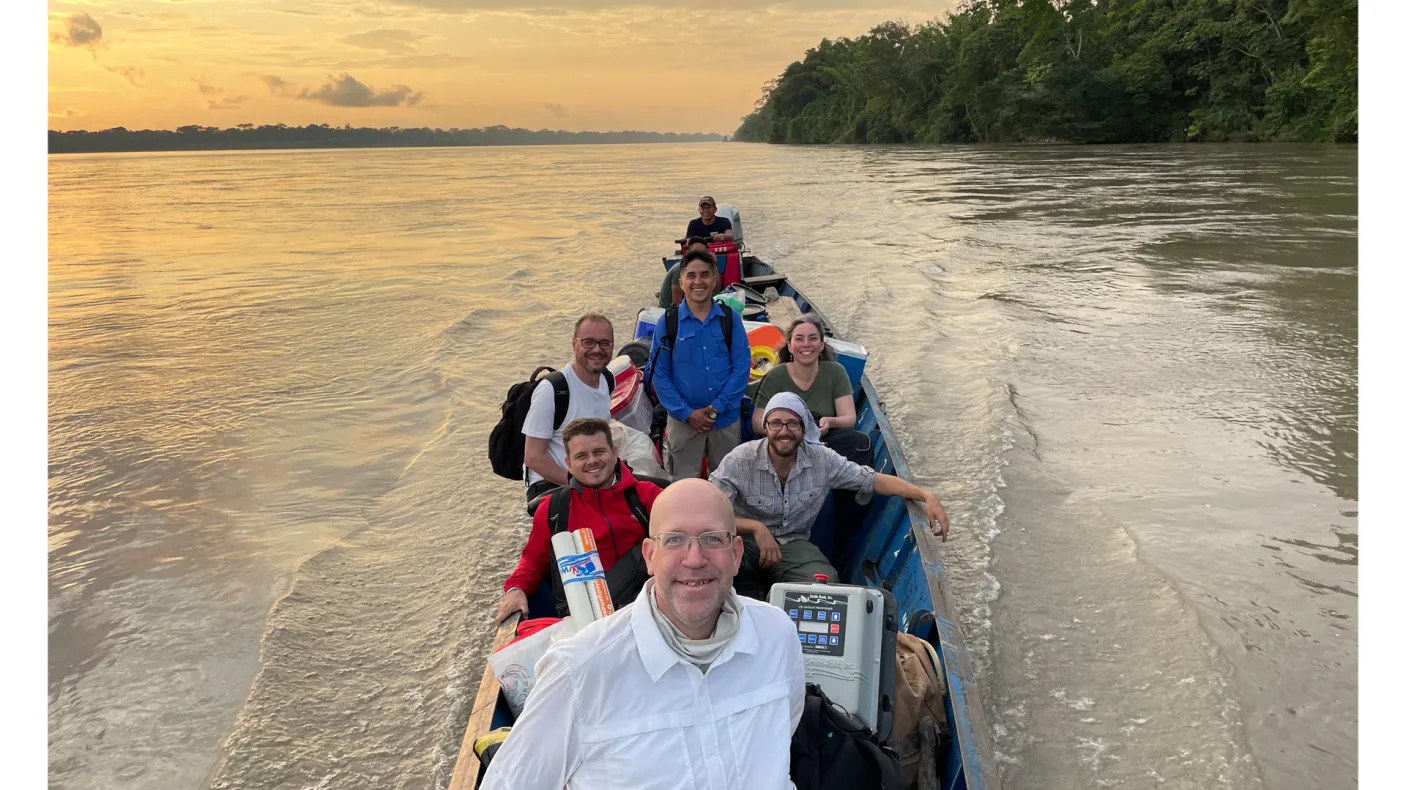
<point>192,138</point>
<point>1091,71</point>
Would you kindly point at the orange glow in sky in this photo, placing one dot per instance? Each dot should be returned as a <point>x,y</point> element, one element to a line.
<point>653,65</point>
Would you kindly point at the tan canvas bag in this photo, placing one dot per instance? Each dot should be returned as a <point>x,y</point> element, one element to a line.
<point>918,687</point>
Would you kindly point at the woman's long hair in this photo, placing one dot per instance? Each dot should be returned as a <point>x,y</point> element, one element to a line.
<point>813,320</point>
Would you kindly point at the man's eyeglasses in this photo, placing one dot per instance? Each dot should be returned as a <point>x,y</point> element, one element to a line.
<point>793,426</point>
<point>590,343</point>
<point>717,540</point>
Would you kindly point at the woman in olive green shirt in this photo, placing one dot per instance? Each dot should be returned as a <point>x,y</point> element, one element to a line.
<point>810,371</point>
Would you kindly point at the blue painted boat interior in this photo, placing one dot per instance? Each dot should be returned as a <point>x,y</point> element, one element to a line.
<point>885,553</point>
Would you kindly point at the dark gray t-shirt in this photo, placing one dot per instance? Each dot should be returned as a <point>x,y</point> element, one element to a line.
<point>697,228</point>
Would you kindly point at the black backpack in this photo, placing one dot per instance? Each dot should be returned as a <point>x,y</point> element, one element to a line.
<point>506,442</point>
<point>833,750</point>
<point>671,336</point>
<point>627,576</point>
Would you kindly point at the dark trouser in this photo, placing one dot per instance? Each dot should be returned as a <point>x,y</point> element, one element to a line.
<point>537,489</point>
<point>858,447</point>
<point>800,561</point>
<point>854,445</point>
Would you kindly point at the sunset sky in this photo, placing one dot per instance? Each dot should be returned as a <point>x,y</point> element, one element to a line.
<point>654,65</point>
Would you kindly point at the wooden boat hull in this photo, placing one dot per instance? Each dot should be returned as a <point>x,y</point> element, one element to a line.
<point>894,549</point>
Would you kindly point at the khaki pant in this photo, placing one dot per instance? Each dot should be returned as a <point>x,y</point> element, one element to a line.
<point>684,447</point>
<point>800,561</point>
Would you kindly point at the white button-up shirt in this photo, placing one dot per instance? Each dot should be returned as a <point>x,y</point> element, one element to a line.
<point>615,707</point>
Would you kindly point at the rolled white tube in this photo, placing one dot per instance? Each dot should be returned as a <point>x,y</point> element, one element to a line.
<point>574,576</point>
<point>601,601</point>
<point>594,560</point>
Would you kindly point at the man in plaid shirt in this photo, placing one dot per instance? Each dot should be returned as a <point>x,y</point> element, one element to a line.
<point>778,484</point>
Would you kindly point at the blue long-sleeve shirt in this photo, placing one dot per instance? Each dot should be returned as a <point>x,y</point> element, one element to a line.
<point>698,372</point>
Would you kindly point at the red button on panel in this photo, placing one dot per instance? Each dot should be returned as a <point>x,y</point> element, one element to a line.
<point>835,629</point>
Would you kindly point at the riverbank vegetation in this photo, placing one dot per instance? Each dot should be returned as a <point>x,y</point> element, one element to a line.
<point>1092,71</point>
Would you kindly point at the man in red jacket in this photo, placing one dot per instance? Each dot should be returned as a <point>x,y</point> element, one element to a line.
<point>598,502</point>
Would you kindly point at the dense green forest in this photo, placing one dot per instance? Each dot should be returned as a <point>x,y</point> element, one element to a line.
<point>248,136</point>
<point>1095,71</point>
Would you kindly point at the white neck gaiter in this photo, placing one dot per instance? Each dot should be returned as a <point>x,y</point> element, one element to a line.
<point>700,652</point>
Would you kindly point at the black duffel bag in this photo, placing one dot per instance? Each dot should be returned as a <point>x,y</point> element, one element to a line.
<point>834,750</point>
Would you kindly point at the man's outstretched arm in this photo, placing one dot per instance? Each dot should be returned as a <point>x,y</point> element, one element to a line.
<point>889,485</point>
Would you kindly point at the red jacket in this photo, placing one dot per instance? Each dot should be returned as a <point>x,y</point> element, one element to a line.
<point>603,511</point>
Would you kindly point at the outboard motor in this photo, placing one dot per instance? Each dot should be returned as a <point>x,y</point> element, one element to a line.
<point>735,217</point>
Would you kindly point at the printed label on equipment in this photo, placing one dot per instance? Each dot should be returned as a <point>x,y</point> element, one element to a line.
<point>821,621</point>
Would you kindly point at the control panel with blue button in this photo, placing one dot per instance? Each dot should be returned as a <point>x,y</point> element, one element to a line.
<point>820,621</point>
<point>844,635</point>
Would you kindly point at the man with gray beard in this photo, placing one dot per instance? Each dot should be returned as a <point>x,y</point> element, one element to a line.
<point>689,686</point>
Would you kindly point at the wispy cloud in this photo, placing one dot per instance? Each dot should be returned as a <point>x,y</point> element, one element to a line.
<point>67,112</point>
<point>132,74</point>
<point>215,96</point>
<point>225,103</point>
<point>346,91</point>
<point>278,86</point>
<point>79,30</point>
<point>438,61</point>
<point>432,62</point>
<point>555,109</point>
<point>390,40</point>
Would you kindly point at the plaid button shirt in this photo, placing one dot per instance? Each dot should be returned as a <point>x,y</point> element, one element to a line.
<point>748,479</point>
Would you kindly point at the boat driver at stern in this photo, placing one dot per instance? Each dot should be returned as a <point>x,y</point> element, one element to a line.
<point>690,686</point>
<point>708,224</point>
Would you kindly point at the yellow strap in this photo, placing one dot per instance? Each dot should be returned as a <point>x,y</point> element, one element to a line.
<point>489,739</point>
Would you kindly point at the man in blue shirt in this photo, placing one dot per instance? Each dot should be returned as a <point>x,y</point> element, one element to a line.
<point>697,378</point>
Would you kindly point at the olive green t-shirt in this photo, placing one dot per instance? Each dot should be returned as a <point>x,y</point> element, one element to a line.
<point>831,382</point>
<point>666,291</point>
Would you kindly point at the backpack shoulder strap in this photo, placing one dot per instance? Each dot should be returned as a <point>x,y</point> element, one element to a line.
<point>632,500</point>
<point>563,398</point>
<point>727,328</point>
<point>806,742</point>
<point>558,510</point>
<point>671,326</point>
<point>609,381</point>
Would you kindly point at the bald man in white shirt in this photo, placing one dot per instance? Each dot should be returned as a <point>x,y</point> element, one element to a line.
<point>690,686</point>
